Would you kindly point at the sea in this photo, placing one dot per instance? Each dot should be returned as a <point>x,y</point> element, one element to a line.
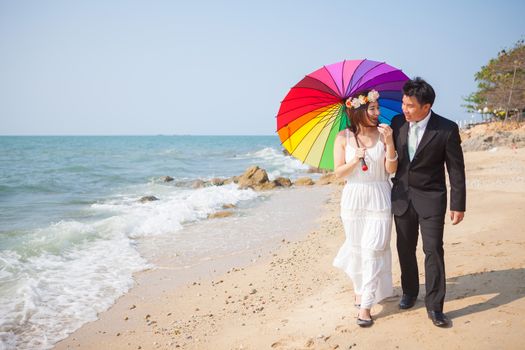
<point>71,219</point>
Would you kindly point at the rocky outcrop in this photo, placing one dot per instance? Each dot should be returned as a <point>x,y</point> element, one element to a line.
<point>253,177</point>
<point>486,136</point>
<point>217,181</point>
<point>304,181</point>
<point>282,182</point>
<point>220,214</point>
<point>146,199</point>
<point>330,178</point>
<point>166,179</point>
<point>198,184</point>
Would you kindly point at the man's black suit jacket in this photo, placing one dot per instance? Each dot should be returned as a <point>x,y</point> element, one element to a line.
<point>422,181</point>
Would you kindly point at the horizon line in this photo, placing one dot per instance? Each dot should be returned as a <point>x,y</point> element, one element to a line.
<point>108,135</point>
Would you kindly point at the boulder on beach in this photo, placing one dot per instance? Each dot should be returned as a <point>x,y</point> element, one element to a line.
<point>330,178</point>
<point>282,182</point>
<point>217,181</point>
<point>253,177</point>
<point>266,186</point>
<point>304,181</point>
<point>166,179</point>
<point>233,179</point>
<point>198,184</point>
<point>313,170</point>
<point>148,199</point>
<point>220,214</point>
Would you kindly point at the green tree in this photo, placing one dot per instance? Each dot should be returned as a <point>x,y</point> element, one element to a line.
<point>501,85</point>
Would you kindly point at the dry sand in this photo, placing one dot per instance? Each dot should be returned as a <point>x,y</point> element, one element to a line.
<point>293,298</point>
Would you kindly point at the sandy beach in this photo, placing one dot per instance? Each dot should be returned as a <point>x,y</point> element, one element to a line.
<point>290,297</point>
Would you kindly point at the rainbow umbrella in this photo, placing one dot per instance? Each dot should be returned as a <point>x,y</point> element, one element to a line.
<point>312,113</point>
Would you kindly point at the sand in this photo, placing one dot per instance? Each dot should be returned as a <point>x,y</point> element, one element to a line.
<point>292,297</point>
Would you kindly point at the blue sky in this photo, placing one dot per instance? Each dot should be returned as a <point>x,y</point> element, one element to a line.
<point>222,67</point>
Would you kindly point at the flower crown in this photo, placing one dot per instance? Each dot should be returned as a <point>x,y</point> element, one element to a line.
<point>360,100</point>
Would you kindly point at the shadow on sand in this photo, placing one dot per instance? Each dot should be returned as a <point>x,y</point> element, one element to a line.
<point>502,283</point>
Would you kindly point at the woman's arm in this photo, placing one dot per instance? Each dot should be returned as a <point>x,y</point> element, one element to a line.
<point>390,150</point>
<point>341,168</point>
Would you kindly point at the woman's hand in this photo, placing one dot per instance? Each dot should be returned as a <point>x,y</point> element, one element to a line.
<point>386,131</point>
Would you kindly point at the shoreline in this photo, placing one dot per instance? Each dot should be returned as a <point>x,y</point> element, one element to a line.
<point>173,271</point>
<point>294,299</point>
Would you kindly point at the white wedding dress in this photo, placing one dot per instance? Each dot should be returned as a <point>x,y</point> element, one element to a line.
<point>366,214</point>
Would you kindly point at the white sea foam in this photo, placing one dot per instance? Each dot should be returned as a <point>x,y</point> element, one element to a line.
<point>168,214</point>
<point>68,272</point>
<point>47,296</point>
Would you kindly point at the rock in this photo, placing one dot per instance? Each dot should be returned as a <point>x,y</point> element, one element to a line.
<point>330,178</point>
<point>282,182</point>
<point>228,206</point>
<point>217,181</point>
<point>265,187</point>
<point>285,152</point>
<point>304,181</point>
<point>148,199</point>
<point>487,136</point>
<point>197,184</point>
<point>253,177</point>
<point>316,170</point>
<point>220,214</point>
<point>166,179</point>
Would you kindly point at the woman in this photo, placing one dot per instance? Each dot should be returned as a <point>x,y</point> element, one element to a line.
<point>365,203</point>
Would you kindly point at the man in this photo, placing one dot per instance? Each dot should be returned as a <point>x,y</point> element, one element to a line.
<point>425,142</point>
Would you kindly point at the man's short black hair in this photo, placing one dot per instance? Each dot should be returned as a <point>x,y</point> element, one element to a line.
<point>422,90</point>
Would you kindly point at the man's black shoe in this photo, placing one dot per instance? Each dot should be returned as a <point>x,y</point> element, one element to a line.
<point>438,318</point>
<point>407,301</point>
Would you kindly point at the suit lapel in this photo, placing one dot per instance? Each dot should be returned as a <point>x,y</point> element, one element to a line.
<point>403,138</point>
<point>430,132</point>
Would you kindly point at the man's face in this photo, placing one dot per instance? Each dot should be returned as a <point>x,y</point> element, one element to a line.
<point>414,111</point>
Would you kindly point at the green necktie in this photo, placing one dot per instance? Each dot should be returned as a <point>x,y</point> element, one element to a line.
<point>412,140</point>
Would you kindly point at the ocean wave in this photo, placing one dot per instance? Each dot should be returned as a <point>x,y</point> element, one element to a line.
<point>63,275</point>
<point>173,210</point>
<point>46,297</point>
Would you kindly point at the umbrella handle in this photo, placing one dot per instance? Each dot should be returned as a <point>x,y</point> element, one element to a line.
<point>364,167</point>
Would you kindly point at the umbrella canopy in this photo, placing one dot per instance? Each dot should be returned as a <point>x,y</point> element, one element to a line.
<point>313,111</point>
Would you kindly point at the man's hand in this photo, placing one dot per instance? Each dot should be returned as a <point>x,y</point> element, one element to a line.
<point>456,216</point>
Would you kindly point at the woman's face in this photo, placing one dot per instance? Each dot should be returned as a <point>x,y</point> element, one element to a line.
<point>373,113</point>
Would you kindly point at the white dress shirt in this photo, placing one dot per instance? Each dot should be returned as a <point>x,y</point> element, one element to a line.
<point>422,125</point>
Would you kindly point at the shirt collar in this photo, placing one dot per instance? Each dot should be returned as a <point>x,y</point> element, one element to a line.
<point>422,124</point>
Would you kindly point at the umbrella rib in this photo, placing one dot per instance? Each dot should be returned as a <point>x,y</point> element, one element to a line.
<point>343,77</point>
<point>333,79</point>
<point>355,70</point>
<point>328,87</point>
